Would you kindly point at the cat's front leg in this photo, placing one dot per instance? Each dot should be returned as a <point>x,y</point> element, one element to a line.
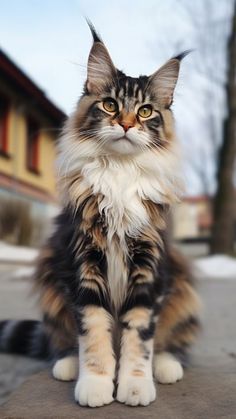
<point>135,377</point>
<point>138,318</point>
<point>97,362</point>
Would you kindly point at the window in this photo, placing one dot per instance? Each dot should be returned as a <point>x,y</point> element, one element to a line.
<point>4,109</point>
<point>32,144</point>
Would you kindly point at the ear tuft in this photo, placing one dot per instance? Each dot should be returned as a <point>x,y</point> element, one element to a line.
<point>164,80</point>
<point>183,54</point>
<point>101,70</point>
<point>96,37</point>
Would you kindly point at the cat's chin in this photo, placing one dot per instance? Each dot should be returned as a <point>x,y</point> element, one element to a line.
<point>122,146</point>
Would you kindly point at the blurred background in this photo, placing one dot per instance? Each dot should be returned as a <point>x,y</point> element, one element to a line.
<point>44,47</point>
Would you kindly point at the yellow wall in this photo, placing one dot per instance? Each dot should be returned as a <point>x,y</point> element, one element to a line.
<point>16,165</point>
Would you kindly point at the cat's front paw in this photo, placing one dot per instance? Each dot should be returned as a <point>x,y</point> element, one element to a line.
<point>94,391</point>
<point>136,391</point>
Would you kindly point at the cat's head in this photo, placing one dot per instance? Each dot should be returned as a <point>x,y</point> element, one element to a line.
<point>122,115</point>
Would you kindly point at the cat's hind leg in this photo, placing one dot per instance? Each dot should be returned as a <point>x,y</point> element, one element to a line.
<point>167,368</point>
<point>178,324</point>
<point>66,369</point>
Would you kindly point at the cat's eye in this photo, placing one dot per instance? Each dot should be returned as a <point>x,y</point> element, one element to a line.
<point>145,111</point>
<point>110,105</point>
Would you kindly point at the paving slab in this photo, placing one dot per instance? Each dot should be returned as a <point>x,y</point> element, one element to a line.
<point>204,393</point>
<point>207,391</point>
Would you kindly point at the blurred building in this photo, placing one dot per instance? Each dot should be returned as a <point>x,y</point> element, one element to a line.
<point>29,126</point>
<point>192,218</point>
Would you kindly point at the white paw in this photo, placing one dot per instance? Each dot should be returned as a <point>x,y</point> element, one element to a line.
<point>167,369</point>
<point>136,391</point>
<point>94,391</point>
<point>66,369</point>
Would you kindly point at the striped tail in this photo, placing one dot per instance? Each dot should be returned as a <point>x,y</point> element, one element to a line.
<point>24,337</point>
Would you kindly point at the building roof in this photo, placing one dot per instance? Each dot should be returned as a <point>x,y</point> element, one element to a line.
<point>10,71</point>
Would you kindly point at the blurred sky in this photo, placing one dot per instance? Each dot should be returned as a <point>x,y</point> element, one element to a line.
<point>50,41</point>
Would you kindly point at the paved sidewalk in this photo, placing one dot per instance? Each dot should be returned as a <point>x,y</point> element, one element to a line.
<point>207,391</point>
<point>16,303</point>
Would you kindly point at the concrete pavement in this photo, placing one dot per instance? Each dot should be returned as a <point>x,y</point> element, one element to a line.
<point>16,303</point>
<point>207,391</point>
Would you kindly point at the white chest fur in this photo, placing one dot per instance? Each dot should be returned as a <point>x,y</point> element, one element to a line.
<point>124,212</point>
<point>123,185</point>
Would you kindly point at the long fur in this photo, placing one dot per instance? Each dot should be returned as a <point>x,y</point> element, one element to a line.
<point>109,262</point>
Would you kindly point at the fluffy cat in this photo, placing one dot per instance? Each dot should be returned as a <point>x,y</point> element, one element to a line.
<point>108,265</point>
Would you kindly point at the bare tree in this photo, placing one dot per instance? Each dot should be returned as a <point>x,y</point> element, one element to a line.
<point>222,240</point>
<point>209,44</point>
<point>210,30</point>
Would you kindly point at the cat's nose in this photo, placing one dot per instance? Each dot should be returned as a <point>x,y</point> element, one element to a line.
<point>126,125</point>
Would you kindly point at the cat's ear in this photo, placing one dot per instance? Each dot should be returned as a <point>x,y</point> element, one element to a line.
<point>164,80</point>
<point>101,70</point>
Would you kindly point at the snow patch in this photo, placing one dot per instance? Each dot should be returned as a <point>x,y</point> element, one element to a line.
<point>24,272</point>
<point>217,266</point>
<point>17,254</point>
